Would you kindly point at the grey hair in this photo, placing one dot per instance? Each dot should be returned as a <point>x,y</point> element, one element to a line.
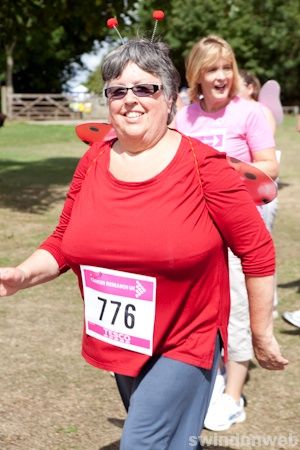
<point>152,57</point>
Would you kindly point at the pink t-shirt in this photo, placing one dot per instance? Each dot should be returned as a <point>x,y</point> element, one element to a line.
<point>239,129</point>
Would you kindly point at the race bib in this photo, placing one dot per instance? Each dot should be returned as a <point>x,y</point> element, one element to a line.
<point>119,307</point>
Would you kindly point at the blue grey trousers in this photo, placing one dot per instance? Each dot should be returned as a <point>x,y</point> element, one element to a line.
<point>166,404</point>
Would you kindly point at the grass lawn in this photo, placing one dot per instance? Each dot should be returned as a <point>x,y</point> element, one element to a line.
<point>50,398</point>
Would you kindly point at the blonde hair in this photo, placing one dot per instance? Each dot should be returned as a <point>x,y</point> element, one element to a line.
<point>203,55</point>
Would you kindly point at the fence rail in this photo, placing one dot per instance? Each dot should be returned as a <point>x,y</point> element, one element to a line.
<point>294,109</point>
<point>41,106</point>
<point>51,106</point>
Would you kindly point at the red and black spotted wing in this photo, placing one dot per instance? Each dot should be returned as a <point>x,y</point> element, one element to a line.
<point>259,185</point>
<point>95,132</point>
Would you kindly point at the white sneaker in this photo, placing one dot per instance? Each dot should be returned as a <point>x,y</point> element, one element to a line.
<point>219,387</point>
<point>223,413</point>
<point>292,317</point>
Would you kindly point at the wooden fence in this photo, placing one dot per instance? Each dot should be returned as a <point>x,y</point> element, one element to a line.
<point>41,107</point>
<point>49,106</point>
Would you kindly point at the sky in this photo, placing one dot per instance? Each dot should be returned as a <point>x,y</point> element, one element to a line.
<point>91,61</point>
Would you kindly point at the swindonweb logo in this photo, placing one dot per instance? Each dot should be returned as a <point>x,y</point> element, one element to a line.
<point>246,441</point>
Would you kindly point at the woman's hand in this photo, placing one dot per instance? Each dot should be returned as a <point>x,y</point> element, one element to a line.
<point>268,354</point>
<point>266,348</point>
<point>12,279</point>
<point>39,268</point>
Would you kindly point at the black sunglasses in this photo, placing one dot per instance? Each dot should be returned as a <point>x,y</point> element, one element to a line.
<point>140,90</point>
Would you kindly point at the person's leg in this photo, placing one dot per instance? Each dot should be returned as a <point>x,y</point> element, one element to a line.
<point>239,335</point>
<point>124,384</point>
<point>228,407</point>
<point>195,413</point>
<point>168,405</point>
<point>236,376</point>
<point>269,212</point>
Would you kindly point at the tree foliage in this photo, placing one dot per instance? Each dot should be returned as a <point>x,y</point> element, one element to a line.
<point>94,82</point>
<point>265,35</point>
<point>47,37</point>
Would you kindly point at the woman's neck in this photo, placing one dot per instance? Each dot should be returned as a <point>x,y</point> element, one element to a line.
<point>140,165</point>
<point>211,107</point>
<point>135,146</point>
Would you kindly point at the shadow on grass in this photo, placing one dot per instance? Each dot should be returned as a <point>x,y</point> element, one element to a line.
<point>282,185</point>
<point>113,446</point>
<point>293,332</point>
<point>291,284</point>
<point>117,422</point>
<point>34,186</point>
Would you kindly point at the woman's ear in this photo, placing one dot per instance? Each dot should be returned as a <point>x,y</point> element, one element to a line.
<point>250,88</point>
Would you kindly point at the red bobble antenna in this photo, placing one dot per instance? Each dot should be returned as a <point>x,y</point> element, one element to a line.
<point>113,23</point>
<point>157,15</point>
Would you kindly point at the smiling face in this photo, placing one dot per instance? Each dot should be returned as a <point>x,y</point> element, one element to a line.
<point>141,120</point>
<point>216,83</point>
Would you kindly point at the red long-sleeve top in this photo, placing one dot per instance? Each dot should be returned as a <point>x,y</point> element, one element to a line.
<point>175,227</point>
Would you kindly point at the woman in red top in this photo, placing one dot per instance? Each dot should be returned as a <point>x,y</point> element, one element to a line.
<point>145,227</point>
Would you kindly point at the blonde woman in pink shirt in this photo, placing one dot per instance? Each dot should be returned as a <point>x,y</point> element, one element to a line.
<point>219,117</point>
